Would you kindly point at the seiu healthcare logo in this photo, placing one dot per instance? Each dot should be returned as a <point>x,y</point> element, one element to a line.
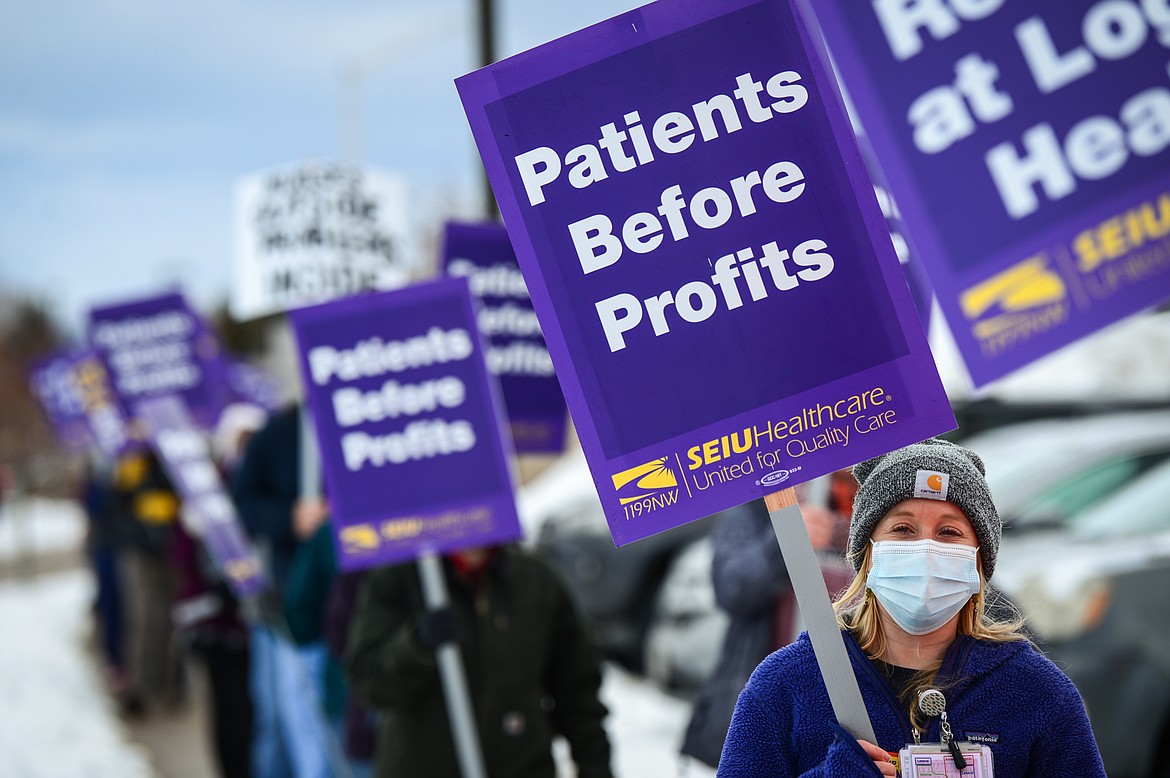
<point>646,488</point>
<point>1009,307</point>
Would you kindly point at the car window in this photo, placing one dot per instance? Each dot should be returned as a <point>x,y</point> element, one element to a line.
<point>1011,463</point>
<point>1064,501</point>
<point>1142,506</point>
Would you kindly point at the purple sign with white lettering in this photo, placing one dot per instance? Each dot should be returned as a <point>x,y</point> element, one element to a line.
<point>107,422</point>
<point>159,346</point>
<point>516,351</point>
<point>408,423</point>
<point>251,384</point>
<point>703,247</point>
<point>55,384</point>
<point>1027,144</point>
<point>185,456</point>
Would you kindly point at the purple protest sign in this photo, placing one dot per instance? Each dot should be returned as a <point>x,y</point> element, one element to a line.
<point>55,384</point>
<point>1026,144</point>
<point>250,384</point>
<point>159,346</point>
<point>408,424</point>
<point>107,423</point>
<point>516,351</point>
<point>706,255</point>
<point>184,454</point>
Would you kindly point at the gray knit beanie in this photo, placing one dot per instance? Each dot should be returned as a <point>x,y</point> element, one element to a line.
<point>934,469</point>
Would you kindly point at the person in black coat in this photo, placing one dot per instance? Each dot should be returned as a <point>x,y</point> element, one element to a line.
<point>531,670</point>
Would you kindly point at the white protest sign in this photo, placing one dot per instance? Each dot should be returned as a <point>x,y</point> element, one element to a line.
<point>315,232</point>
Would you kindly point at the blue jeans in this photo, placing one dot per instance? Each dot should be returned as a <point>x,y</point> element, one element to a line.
<point>290,735</point>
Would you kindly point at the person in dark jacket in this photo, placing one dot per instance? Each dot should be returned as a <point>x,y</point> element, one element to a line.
<point>359,729</point>
<point>531,669</point>
<point>146,512</point>
<point>923,539</point>
<point>751,584</point>
<point>208,618</point>
<point>266,489</point>
<point>208,615</point>
<point>97,496</point>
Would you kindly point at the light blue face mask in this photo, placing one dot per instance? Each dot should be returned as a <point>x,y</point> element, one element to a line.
<point>922,584</point>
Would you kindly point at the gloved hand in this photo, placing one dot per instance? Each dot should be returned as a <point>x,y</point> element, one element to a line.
<point>436,627</point>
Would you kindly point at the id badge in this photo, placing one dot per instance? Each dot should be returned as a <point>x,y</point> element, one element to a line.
<point>934,760</point>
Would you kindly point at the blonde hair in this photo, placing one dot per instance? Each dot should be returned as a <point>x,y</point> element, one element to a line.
<point>857,612</point>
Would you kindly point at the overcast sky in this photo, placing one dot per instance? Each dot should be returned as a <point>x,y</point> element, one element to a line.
<point>124,124</point>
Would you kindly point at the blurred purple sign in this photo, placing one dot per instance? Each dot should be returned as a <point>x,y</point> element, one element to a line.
<point>55,383</point>
<point>159,346</point>
<point>184,454</point>
<point>1026,143</point>
<point>250,384</point>
<point>516,351</point>
<point>107,422</point>
<point>703,247</point>
<point>408,424</point>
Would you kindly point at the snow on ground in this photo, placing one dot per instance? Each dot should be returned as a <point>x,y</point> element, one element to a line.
<point>57,719</point>
<point>36,526</point>
<point>645,727</point>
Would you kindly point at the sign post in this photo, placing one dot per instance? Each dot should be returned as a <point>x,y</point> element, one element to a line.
<point>804,571</point>
<point>454,679</point>
<point>708,261</point>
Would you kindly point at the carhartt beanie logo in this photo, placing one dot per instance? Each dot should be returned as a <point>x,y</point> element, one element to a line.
<point>933,469</point>
<point>931,485</point>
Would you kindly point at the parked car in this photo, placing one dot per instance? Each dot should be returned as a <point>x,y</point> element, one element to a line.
<point>1094,592</point>
<point>615,588</point>
<point>1043,473</point>
<point>621,590</point>
<point>684,639</point>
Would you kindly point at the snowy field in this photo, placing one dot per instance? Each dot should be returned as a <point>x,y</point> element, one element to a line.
<point>57,720</point>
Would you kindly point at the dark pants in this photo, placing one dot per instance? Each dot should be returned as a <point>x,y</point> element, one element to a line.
<point>109,604</point>
<point>231,708</point>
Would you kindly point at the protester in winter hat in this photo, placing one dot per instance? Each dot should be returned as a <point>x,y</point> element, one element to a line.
<point>923,539</point>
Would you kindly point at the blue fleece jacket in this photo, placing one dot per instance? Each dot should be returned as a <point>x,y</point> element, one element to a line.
<point>1005,695</point>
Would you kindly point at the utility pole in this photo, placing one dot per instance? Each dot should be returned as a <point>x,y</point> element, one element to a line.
<point>487,55</point>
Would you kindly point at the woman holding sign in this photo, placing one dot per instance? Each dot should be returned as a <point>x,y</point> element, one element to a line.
<point>935,669</point>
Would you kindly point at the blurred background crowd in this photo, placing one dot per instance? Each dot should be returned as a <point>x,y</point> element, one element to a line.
<point>1082,483</point>
<point>124,127</point>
